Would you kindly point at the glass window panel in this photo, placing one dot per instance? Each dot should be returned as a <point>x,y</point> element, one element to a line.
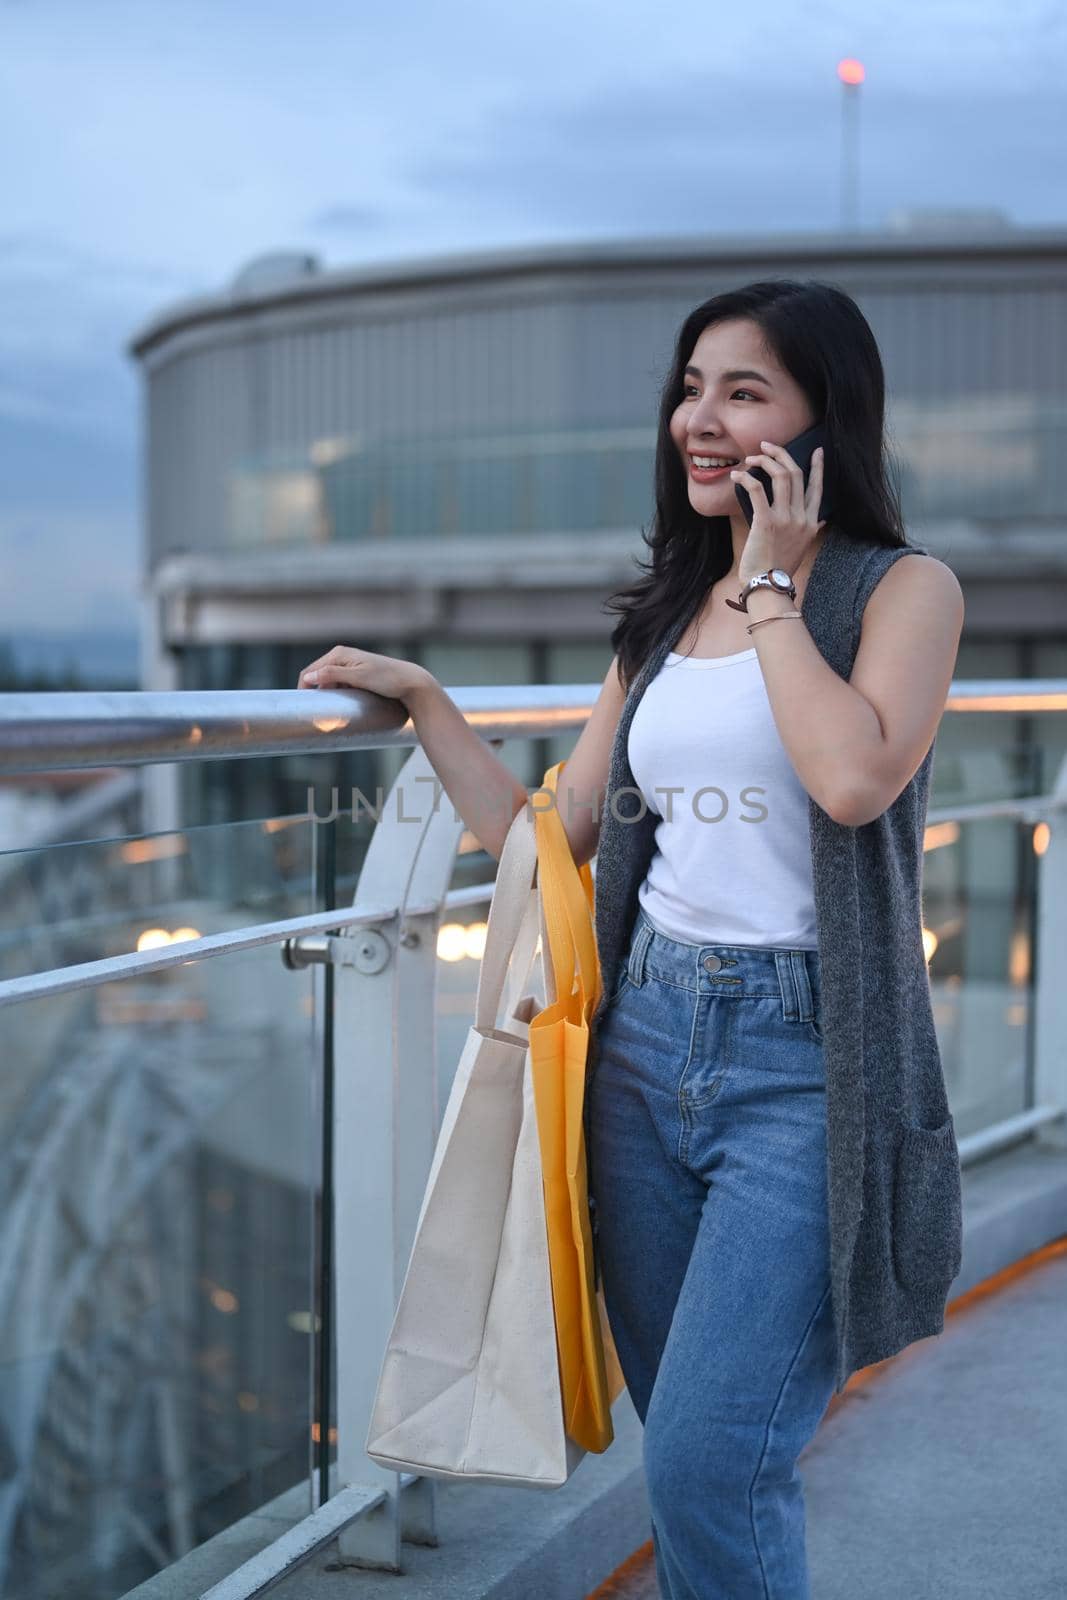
<point>566,490</point>
<point>412,492</point>
<point>486,489</point>
<point>350,491</point>
<point>458,664</point>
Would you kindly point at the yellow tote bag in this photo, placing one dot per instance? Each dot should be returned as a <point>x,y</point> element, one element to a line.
<point>590,1375</point>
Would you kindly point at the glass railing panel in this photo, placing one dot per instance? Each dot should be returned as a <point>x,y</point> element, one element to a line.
<point>160,1142</point>
<point>982,758</point>
<point>461,934</point>
<point>978,915</point>
<point>66,904</point>
<point>980,877</point>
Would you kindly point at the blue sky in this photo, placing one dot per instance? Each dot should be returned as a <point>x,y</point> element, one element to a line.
<point>150,148</point>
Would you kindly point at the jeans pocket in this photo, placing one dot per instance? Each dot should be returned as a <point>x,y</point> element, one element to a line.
<point>927,1207</point>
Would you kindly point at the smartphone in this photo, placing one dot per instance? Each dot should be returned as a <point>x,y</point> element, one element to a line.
<point>802,448</point>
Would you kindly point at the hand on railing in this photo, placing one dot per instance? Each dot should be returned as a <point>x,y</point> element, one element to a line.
<point>349,667</point>
<point>481,787</point>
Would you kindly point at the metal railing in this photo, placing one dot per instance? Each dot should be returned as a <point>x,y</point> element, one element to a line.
<point>71,731</point>
<point>67,732</point>
<point>382,957</point>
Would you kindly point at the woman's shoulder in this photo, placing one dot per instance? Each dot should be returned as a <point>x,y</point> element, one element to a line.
<point>922,580</point>
<point>882,570</point>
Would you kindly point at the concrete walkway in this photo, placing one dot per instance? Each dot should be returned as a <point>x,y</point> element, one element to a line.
<point>943,1475</point>
<point>939,1475</point>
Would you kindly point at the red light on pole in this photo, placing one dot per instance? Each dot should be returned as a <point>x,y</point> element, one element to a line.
<point>851,75</point>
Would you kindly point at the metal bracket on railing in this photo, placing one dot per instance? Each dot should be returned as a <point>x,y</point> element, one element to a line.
<point>367,950</point>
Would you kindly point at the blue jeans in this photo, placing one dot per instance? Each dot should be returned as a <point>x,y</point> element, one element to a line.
<point>706,1143</point>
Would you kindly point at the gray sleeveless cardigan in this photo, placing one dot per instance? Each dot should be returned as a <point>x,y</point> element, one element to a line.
<point>893,1164</point>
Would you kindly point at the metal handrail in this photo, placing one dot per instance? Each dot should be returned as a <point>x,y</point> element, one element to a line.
<point>1026,808</point>
<point>295,931</point>
<point>288,931</point>
<point>67,732</point>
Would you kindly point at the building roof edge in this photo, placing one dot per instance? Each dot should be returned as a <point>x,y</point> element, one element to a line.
<point>579,256</point>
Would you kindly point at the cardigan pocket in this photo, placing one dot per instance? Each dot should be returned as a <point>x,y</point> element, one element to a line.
<point>927,1207</point>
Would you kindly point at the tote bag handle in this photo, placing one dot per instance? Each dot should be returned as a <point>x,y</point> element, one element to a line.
<point>509,911</point>
<point>566,902</point>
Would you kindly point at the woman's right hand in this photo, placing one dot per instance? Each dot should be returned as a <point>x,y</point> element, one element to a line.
<point>484,791</point>
<point>349,667</point>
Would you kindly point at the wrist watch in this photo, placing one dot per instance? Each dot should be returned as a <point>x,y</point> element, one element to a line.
<point>775,579</point>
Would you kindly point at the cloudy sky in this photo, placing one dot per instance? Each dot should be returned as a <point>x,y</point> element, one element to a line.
<point>148,148</point>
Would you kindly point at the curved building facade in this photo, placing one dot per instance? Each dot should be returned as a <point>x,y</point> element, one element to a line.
<point>451,459</point>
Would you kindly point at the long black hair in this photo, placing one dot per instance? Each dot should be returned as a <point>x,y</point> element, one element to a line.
<point>822,339</point>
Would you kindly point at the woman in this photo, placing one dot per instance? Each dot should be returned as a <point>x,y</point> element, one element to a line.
<point>773,1167</point>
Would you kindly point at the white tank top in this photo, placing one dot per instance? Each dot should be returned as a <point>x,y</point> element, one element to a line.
<point>743,874</point>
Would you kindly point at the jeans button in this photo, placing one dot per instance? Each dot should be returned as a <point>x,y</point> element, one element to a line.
<point>713,963</point>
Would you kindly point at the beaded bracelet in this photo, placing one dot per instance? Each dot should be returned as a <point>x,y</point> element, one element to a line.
<point>778,615</point>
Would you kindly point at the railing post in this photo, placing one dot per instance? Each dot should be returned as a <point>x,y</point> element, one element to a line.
<point>385,1128</point>
<point>160,672</point>
<point>1050,997</point>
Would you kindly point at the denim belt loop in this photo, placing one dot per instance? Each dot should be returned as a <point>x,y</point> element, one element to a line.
<point>638,945</point>
<point>798,1002</point>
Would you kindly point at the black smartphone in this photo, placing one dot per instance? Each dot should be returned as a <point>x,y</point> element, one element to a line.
<point>802,448</point>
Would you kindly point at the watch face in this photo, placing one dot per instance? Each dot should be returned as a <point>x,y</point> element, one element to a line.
<point>780,579</point>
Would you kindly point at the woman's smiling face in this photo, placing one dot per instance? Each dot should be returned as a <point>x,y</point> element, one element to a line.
<point>735,394</point>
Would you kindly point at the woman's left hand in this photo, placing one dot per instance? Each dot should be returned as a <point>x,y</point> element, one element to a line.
<point>783,528</point>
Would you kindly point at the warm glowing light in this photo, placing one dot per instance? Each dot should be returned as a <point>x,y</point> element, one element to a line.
<point>1041,838</point>
<point>137,851</point>
<point>850,71</point>
<point>155,938</point>
<point>461,941</point>
<point>1007,702</point>
<point>279,824</point>
<point>929,942</point>
<point>938,834</point>
<point>329,724</point>
<point>452,941</point>
<point>316,1434</point>
<point>224,1300</point>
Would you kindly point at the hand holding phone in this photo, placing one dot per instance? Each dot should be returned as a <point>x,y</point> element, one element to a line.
<point>802,448</point>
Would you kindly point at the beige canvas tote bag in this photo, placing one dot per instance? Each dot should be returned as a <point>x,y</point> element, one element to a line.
<point>470,1383</point>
